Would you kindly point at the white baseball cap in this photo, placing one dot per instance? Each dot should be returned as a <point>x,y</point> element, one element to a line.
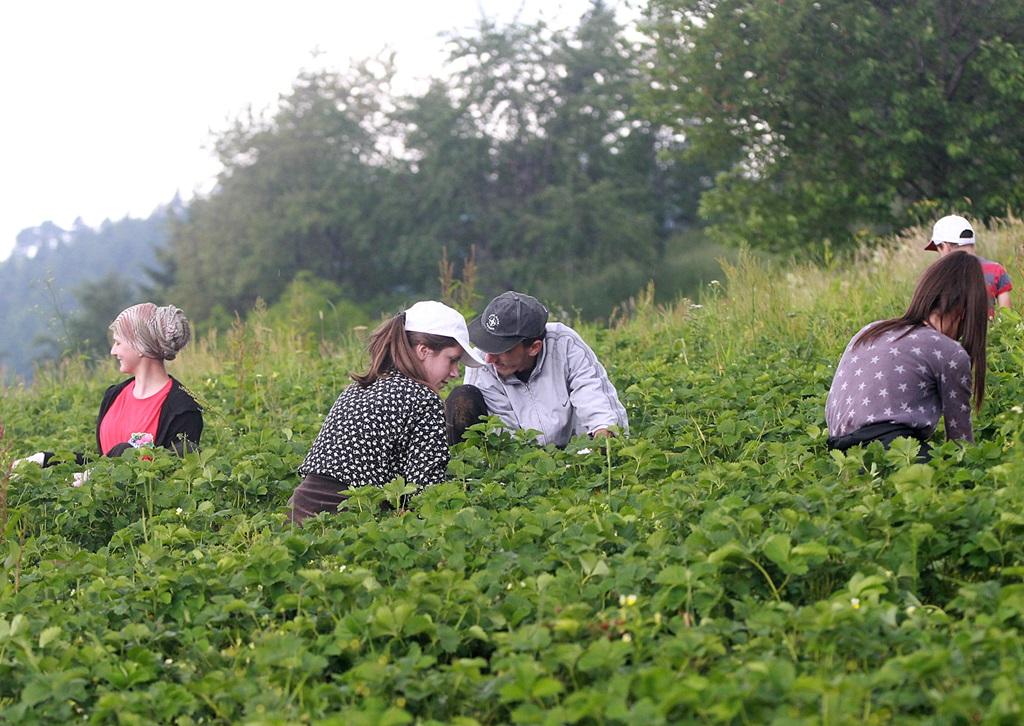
<point>430,316</point>
<point>954,230</point>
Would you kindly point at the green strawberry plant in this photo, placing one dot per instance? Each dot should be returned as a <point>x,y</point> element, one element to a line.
<point>717,564</point>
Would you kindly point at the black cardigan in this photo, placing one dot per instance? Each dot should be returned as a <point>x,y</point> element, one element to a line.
<point>179,427</point>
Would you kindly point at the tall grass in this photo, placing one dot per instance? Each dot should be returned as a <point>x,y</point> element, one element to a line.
<point>806,301</point>
<point>758,296</point>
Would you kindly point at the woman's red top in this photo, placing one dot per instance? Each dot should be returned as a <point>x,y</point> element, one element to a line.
<point>130,415</point>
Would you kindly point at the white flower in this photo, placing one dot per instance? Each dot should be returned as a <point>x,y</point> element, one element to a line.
<point>627,638</point>
<point>168,661</point>
<point>178,511</point>
<point>855,603</point>
<point>584,451</point>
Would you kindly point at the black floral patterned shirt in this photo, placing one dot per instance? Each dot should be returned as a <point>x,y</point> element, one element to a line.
<point>392,428</point>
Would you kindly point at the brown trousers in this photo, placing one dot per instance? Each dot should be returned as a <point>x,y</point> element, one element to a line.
<point>316,493</point>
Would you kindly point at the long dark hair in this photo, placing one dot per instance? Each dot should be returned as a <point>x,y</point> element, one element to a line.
<point>392,348</point>
<point>955,285</point>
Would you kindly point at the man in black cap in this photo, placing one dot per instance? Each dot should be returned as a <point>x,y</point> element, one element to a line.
<point>539,376</point>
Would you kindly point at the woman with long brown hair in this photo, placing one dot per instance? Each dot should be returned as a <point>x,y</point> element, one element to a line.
<point>897,377</point>
<point>389,422</point>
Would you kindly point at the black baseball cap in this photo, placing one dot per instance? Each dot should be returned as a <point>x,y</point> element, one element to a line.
<point>508,319</point>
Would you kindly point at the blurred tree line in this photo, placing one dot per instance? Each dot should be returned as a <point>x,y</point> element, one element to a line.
<point>531,156</point>
<point>579,164</point>
<point>60,288</point>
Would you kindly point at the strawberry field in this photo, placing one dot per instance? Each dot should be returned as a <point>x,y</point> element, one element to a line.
<point>718,565</point>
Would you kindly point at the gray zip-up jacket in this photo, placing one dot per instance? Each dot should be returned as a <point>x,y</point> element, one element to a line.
<point>568,392</point>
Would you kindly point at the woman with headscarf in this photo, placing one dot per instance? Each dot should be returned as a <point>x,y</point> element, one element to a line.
<point>151,408</point>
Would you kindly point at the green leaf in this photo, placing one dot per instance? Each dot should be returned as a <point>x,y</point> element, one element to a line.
<point>776,548</point>
<point>812,550</point>
<point>592,565</point>
<point>725,552</point>
<point>546,687</point>
<point>673,575</point>
<point>49,635</point>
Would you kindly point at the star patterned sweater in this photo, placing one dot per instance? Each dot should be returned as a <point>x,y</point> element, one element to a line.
<point>909,376</point>
<point>374,434</point>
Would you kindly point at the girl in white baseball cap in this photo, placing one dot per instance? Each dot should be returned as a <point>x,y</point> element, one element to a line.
<point>389,422</point>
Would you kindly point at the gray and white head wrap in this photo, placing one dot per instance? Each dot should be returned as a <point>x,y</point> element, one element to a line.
<point>156,332</point>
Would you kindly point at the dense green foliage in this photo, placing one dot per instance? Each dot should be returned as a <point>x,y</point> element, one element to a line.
<point>834,120</point>
<point>717,565</point>
<point>571,162</point>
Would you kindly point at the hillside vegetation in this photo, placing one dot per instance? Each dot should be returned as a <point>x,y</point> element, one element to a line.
<point>716,565</point>
<point>638,142</point>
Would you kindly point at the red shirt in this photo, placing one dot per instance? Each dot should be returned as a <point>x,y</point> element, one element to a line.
<point>996,280</point>
<point>129,415</point>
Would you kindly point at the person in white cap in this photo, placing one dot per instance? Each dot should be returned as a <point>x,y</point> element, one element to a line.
<point>390,422</point>
<point>953,233</point>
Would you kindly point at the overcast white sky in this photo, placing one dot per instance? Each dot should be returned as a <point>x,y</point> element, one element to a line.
<point>109,105</point>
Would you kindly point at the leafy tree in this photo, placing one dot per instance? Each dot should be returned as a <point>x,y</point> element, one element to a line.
<point>833,120</point>
<point>532,154</point>
<point>99,301</point>
<point>85,330</point>
<point>297,191</point>
<point>316,310</point>
<point>162,272</point>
